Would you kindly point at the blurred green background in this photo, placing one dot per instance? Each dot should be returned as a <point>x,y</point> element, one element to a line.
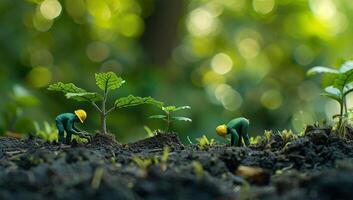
<point>224,58</point>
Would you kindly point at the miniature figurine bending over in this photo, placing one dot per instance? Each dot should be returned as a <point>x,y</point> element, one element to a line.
<point>238,129</point>
<point>66,123</point>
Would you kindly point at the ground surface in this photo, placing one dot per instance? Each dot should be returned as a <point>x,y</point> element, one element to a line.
<point>317,165</point>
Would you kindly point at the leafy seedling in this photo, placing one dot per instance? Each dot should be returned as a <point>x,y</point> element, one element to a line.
<point>337,84</point>
<point>107,82</point>
<point>168,118</point>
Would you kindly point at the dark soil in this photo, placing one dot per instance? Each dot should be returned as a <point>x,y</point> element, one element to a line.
<point>318,165</point>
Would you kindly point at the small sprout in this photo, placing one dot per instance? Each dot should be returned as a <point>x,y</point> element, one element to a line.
<point>287,135</point>
<point>107,82</point>
<point>267,135</point>
<point>204,141</point>
<point>149,131</point>
<point>97,177</point>
<point>165,154</point>
<point>167,116</point>
<point>142,163</point>
<point>255,140</point>
<point>189,140</point>
<point>198,168</point>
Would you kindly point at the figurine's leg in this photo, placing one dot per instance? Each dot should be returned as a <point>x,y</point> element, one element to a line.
<point>234,139</point>
<point>244,132</point>
<point>68,137</point>
<point>61,130</point>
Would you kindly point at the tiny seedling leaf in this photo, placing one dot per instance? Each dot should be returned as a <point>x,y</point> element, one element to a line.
<point>321,70</point>
<point>134,101</point>
<point>169,108</point>
<point>108,81</point>
<point>85,96</point>
<point>182,119</point>
<point>158,117</point>
<point>347,66</point>
<point>182,108</point>
<point>65,88</point>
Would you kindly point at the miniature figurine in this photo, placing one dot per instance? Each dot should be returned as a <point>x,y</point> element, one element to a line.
<point>238,128</point>
<point>66,122</point>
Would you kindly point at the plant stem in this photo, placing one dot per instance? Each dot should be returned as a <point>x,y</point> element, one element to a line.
<point>103,112</point>
<point>341,113</point>
<point>168,121</point>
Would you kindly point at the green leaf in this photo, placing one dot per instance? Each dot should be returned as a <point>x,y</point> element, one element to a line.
<point>347,89</point>
<point>182,119</point>
<point>343,79</point>
<point>108,81</point>
<point>65,88</point>
<point>332,93</point>
<point>85,96</point>
<point>347,66</point>
<point>321,70</point>
<point>158,117</point>
<point>134,101</point>
<point>182,108</point>
<point>168,108</point>
<point>328,79</point>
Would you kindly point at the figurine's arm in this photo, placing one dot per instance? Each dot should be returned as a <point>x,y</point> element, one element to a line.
<point>76,129</point>
<point>234,139</point>
<point>246,139</point>
<point>72,128</point>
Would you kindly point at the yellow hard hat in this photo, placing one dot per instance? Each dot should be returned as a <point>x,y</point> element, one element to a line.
<point>81,114</point>
<point>221,130</point>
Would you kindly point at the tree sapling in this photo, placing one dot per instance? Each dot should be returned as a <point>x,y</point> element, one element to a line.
<point>107,82</point>
<point>337,84</point>
<point>168,118</point>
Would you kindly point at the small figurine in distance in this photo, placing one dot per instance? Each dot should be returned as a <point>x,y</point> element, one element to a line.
<point>66,122</point>
<point>238,129</point>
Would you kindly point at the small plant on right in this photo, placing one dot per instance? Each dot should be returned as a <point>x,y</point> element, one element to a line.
<point>204,141</point>
<point>167,116</point>
<point>337,84</point>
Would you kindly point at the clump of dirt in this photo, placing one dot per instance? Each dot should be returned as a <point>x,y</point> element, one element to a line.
<point>159,141</point>
<point>316,165</point>
<point>103,140</point>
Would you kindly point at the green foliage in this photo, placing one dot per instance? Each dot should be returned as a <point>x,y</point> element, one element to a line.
<point>13,117</point>
<point>105,81</point>
<point>168,118</point>
<point>337,84</point>
<point>85,96</point>
<point>108,81</point>
<point>135,101</point>
<point>66,88</point>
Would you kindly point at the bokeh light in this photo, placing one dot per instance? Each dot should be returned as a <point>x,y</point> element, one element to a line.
<point>50,9</point>
<point>263,6</point>
<point>97,51</point>
<point>39,77</point>
<point>221,63</point>
<point>271,99</point>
